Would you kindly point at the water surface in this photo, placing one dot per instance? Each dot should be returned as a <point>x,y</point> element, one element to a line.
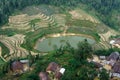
<point>48,44</point>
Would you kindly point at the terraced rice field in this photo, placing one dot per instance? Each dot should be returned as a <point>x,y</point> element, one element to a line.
<point>39,20</point>
<point>13,44</point>
<point>22,22</point>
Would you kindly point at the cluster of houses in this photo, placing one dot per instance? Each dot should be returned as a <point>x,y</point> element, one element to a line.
<point>53,72</point>
<point>111,63</point>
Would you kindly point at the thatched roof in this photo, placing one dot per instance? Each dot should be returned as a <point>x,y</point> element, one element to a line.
<point>43,76</point>
<point>52,67</point>
<point>116,67</point>
<point>113,56</point>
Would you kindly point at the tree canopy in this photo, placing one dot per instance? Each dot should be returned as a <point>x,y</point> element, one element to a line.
<point>104,8</point>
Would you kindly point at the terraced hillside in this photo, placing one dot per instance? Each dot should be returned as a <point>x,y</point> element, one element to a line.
<point>35,22</point>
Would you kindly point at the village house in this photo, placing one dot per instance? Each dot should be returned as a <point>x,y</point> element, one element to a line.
<point>113,58</point>
<point>110,63</point>
<point>44,76</point>
<point>25,64</point>
<point>52,67</point>
<point>19,67</point>
<point>59,74</point>
<point>116,70</point>
<point>53,71</point>
<point>102,57</point>
<point>115,42</point>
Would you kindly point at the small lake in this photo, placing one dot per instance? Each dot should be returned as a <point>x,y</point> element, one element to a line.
<point>48,44</point>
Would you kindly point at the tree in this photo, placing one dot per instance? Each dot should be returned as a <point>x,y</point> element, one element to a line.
<point>84,50</point>
<point>104,75</point>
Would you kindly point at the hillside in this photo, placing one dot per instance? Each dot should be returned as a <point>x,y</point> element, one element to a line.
<point>107,11</point>
<point>66,32</point>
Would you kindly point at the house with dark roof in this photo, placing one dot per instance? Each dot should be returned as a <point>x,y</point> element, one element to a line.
<point>113,56</point>
<point>53,72</point>
<point>44,76</point>
<point>26,65</point>
<point>59,74</point>
<point>17,67</point>
<point>115,42</point>
<point>52,67</point>
<point>116,70</point>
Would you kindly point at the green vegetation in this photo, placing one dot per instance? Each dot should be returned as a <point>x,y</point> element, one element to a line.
<point>117,36</point>
<point>33,23</point>
<point>51,12</point>
<point>8,32</point>
<point>105,10</point>
<point>87,31</point>
<point>73,60</point>
<point>5,50</point>
<point>106,52</point>
<point>81,23</point>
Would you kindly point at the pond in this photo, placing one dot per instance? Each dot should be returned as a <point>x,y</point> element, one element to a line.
<point>48,44</point>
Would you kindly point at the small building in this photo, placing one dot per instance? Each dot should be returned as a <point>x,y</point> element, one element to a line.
<point>96,59</point>
<point>59,74</point>
<point>116,70</point>
<point>53,72</point>
<point>26,66</point>
<point>52,67</point>
<point>102,57</point>
<point>115,42</point>
<point>44,76</point>
<point>113,56</point>
<point>17,67</point>
<point>116,67</point>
